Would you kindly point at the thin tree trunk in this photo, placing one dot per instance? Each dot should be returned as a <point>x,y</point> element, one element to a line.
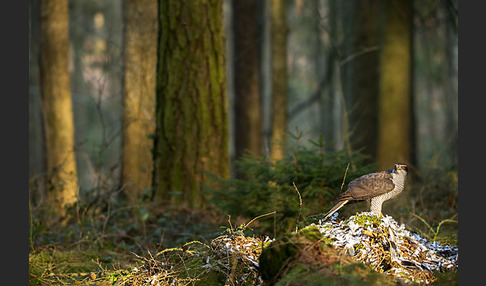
<point>36,136</point>
<point>395,109</point>
<point>57,105</point>
<point>192,131</point>
<point>279,78</point>
<point>141,24</point>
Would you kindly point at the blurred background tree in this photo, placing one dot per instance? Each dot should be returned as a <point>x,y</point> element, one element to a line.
<point>62,182</point>
<point>359,59</point>
<point>279,32</point>
<point>395,132</point>
<point>247,100</point>
<point>140,68</point>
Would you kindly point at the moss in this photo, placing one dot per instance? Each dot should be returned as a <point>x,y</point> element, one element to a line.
<point>446,278</point>
<point>210,278</point>
<point>310,233</point>
<point>365,220</point>
<point>68,267</point>
<point>294,275</point>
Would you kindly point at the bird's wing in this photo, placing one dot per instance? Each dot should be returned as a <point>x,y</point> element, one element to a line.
<point>371,185</point>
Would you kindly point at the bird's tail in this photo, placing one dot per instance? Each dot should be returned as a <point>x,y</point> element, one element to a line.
<point>335,209</point>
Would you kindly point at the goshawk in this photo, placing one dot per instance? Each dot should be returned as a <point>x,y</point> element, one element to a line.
<point>375,187</point>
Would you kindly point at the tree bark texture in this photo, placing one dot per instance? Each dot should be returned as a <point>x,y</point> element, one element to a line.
<point>395,109</point>
<point>279,78</point>
<point>248,119</point>
<point>192,135</point>
<point>57,105</point>
<point>139,93</point>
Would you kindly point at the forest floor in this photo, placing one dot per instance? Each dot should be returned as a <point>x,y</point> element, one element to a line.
<point>177,247</point>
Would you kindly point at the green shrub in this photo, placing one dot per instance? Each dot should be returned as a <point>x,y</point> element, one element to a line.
<point>268,186</point>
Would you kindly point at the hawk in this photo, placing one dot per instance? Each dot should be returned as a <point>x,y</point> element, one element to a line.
<point>375,188</point>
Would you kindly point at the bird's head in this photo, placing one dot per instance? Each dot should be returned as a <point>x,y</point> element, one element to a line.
<point>401,169</point>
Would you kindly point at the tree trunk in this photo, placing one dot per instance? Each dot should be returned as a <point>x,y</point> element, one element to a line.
<point>57,105</point>
<point>361,69</point>
<point>141,24</point>
<point>248,123</point>
<point>395,110</point>
<point>36,136</point>
<point>279,78</point>
<point>192,131</point>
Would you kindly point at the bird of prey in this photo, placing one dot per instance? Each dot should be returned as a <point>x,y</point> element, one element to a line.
<point>375,188</point>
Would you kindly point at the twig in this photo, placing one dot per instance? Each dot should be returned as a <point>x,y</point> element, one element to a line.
<point>300,207</point>
<point>229,221</point>
<point>344,179</point>
<point>435,231</point>
<point>246,225</point>
<point>357,54</point>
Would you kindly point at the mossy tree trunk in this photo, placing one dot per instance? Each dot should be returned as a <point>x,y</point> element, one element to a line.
<point>192,131</point>
<point>141,24</point>
<point>279,78</point>
<point>248,119</point>
<point>395,108</point>
<point>57,106</point>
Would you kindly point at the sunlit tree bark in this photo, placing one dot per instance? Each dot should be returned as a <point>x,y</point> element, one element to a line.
<point>57,105</point>
<point>141,23</point>
<point>192,131</point>
<point>279,78</point>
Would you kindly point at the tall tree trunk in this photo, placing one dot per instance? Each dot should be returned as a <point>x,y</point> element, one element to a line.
<point>279,78</point>
<point>360,64</point>
<point>192,131</point>
<point>36,137</point>
<point>452,82</point>
<point>57,105</point>
<point>141,24</point>
<point>324,57</point>
<point>248,123</point>
<point>395,109</point>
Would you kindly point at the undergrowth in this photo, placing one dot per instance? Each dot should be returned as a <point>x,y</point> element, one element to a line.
<point>267,186</point>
